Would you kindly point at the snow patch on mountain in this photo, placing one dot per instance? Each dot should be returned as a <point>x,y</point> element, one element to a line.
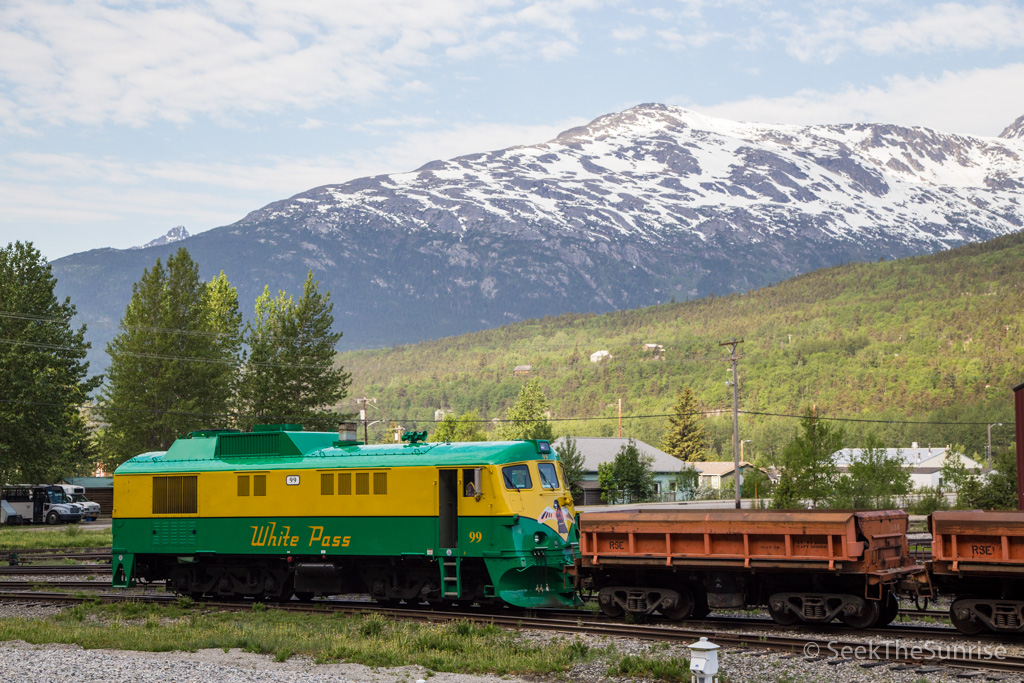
<point>175,234</point>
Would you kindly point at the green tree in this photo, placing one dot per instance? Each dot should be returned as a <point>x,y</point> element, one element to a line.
<point>685,437</point>
<point>43,372</point>
<point>998,491</point>
<point>466,427</point>
<point>288,371</point>
<point>629,477</point>
<point>808,464</point>
<point>756,484</point>
<point>687,483</point>
<point>174,364</point>
<point>875,479</point>
<point>527,418</point>
<point>573,464</point>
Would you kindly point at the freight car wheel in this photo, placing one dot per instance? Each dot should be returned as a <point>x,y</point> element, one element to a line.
<point>683,608</point>
<point>609,607</point>
<point>889,612</point>
<point>866,619</point>
<point>964,623</point>
<point>783,617</point>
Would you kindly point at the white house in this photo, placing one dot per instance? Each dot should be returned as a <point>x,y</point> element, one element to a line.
<point>598,356</point>
<point>714,474</point>
<point>924,464</point>
<point>597,450</point>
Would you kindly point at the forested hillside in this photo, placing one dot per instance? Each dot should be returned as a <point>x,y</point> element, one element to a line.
<point>928,339</point>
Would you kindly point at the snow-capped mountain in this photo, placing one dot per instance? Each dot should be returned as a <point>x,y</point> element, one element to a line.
<point>636,208</point>
<point>175,234</point>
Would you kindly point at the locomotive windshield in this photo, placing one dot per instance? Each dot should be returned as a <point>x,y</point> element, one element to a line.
<point>517,477</point>
<point>548,475</point>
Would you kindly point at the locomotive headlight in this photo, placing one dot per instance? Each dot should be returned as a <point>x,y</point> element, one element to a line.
<point>539,537</point>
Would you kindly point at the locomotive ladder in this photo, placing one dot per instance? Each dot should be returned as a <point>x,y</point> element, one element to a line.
<point>451,578</point>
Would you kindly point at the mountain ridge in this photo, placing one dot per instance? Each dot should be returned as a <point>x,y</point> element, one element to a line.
<point>636,208</point>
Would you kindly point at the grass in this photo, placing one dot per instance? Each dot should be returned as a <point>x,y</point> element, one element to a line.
<point>372,640</point>
<point>70,536</point>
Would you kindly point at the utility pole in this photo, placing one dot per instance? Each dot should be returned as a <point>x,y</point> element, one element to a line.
<point>363,417</point>
<point>737,472</point>
<point>620,419</point>
<point>988,451</point>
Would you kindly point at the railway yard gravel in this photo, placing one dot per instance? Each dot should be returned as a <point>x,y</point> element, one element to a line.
<point>46,663</point>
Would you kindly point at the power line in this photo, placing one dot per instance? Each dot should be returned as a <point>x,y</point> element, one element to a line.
<point>652,416</point>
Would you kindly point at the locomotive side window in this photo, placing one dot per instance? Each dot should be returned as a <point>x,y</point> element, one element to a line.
<point>380,483</point>
<point>362,483</point>
<point>326,483</point>
<point>517,477</point>
<point>243,484</point>
<point>175,495</point>
<point>548,475</point>
<point>259,485</point>
<point>345,484</point>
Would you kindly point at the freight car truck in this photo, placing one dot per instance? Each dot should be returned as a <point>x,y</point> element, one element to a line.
<point>804,565</point>
<point>978,560</point>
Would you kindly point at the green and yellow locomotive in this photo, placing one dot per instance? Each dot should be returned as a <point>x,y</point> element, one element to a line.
<point>279,512</point>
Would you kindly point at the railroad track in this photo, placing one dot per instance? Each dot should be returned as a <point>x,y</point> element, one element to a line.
<point>44,569</point>
<point>750,634</point>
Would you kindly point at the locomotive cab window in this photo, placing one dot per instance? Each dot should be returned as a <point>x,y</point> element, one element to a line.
<point>517,477</point>
<point>548,475</point>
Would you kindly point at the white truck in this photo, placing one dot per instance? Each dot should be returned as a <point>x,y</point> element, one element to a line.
<point>76,494</point>
<point>40,503</point>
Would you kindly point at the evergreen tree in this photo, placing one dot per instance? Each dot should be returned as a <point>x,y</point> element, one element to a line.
<point>629,477</point>
<point>463,428</point>
<point>685,437</point>
<point>573,463</point>
<point>809,471</point>
<point>42,374</point>
<point>528,417</point>
<point>288,372</point>
<point>875,479</point>
<point>174,363</point>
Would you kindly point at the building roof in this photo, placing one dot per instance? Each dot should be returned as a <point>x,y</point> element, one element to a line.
<point>911,457</point>
<point>720,467</point>
<point>90,482</point>
<point>598,449</point>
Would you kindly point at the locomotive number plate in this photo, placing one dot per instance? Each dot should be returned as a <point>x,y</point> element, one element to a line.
<point>292,480</point>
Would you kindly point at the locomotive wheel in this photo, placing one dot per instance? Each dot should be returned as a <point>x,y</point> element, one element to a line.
<point>965,625</point>
<point>683,609</point>
<point>866,619</point>
<point>783,617</point>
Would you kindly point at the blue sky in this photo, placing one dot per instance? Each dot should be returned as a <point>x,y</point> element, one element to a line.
<point>122,119</point>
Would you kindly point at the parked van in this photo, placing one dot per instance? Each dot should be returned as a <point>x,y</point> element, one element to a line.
<point>76,494</point>
<point>42,503</point>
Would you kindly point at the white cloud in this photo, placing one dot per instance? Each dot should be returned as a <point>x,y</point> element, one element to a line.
<point>995,102</point>
<point>629,33</point>
<point>834,31</point>
<point>948,26</point>
<point>135,63</point>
